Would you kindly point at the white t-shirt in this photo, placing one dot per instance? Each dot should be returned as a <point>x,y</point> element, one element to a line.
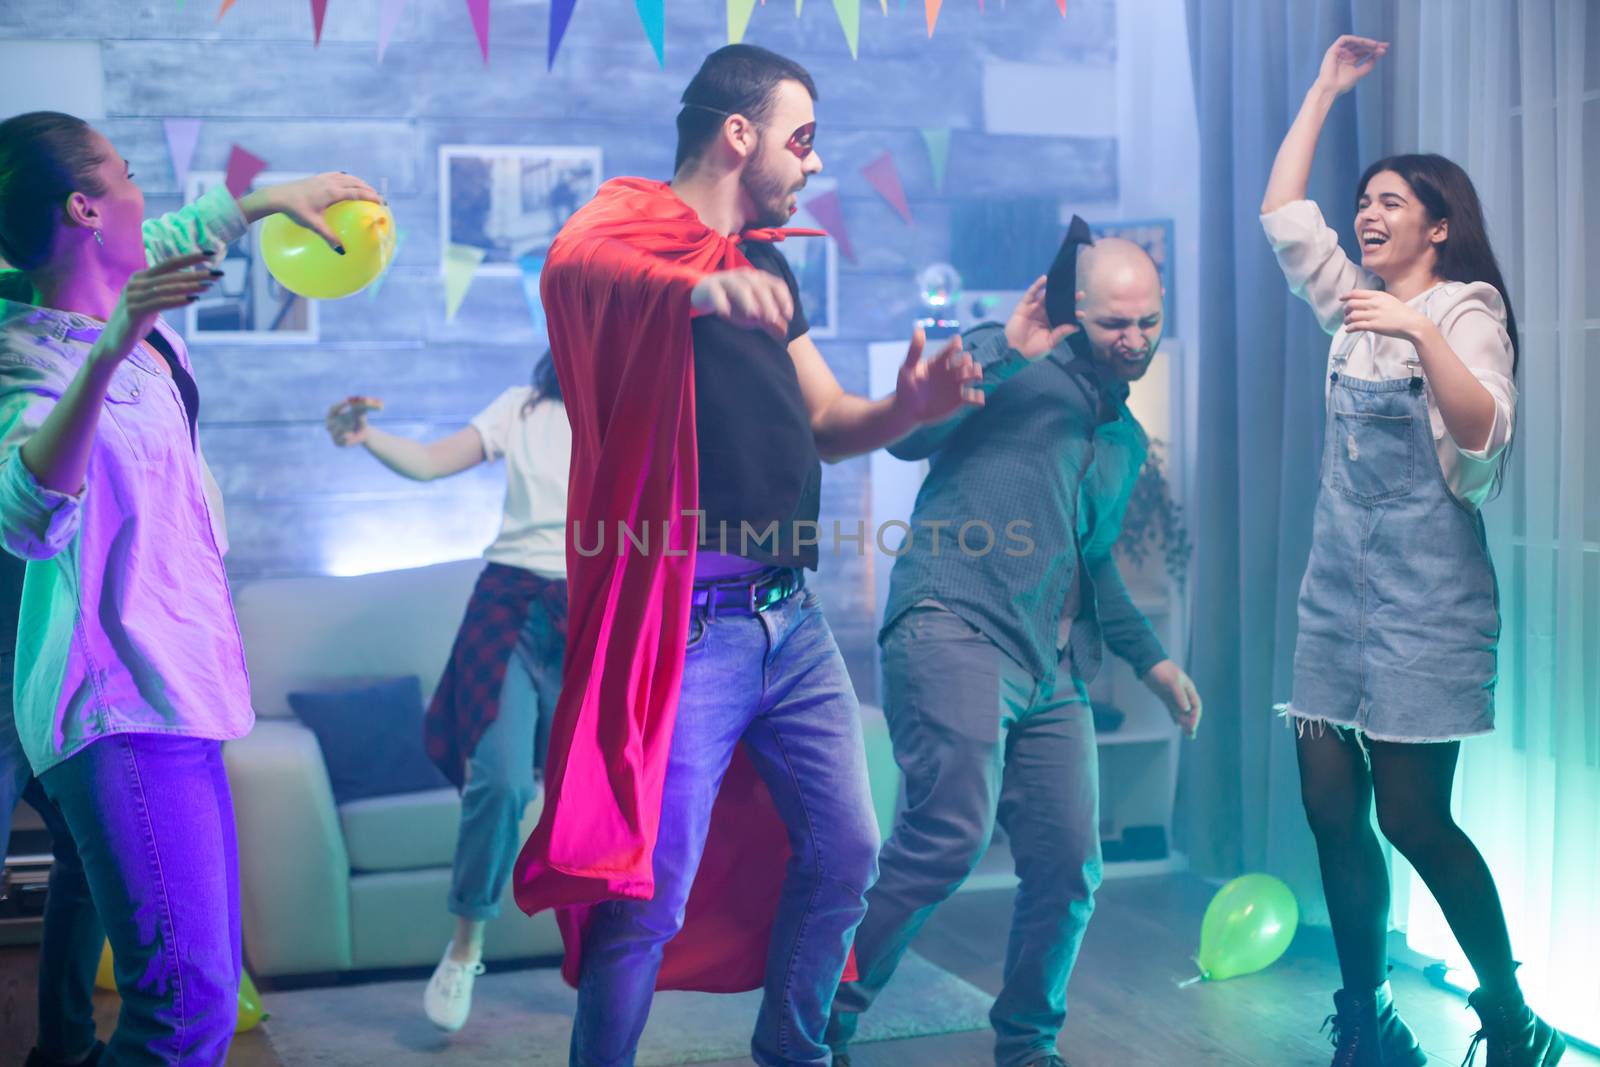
<point>537,446</point>
<point>1471,316</point>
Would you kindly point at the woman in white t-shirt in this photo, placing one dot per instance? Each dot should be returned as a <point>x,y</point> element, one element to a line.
<point>1399,611</point>
<point>489,722</point>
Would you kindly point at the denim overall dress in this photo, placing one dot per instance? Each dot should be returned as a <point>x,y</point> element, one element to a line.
<point>1399,610</point>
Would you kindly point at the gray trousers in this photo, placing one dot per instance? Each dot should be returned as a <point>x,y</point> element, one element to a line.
<point>978,740</point>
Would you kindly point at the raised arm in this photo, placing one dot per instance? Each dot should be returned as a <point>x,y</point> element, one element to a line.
<point>216,219</point>
<point>57,454</point>
<point>1348,61</point>
<point>928,391</point>
<point>418,460</point>
<point>997,355</point>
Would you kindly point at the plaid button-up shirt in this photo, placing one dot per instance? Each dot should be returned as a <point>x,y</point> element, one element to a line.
<point>1041,475</point>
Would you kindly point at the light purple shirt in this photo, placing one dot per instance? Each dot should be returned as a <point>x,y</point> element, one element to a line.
<point>127,624</point>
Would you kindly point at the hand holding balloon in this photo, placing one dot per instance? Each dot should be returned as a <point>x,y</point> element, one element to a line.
<point>306,199</point>
<point>305,261</point>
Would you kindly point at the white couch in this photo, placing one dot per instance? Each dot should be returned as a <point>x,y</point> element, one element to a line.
<point>327,888</point>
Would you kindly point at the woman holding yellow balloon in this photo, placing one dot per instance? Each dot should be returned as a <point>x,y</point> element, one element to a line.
<point>131,672</point>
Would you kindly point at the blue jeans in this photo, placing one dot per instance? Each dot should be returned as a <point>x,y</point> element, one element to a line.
<point>153,820</point>
<point>500,773</point>
<point>776,682</point>
<point>70,949</point>
<point>980,740</point>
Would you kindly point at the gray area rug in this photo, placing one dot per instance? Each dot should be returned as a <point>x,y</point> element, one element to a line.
<point>525,1018</point>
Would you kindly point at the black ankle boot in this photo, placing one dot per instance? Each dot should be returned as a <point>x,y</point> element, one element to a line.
<point>1514,1036</point>
<point>1368,1032</point>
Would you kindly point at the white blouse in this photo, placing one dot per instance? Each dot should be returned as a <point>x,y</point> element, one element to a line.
<point>1470,315</point>
<point>537,445</point>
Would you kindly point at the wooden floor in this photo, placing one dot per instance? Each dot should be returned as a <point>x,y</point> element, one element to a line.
<point>1126,1007</point>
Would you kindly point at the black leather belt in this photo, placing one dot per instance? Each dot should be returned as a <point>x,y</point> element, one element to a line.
<point>748,596</point>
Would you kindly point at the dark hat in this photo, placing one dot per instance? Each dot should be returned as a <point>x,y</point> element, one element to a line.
<point>1061,283</point>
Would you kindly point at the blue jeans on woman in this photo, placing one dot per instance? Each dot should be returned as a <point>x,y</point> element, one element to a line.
<point>70,949</point>
<point>153,821</point>
<point>775,682</point>
<point>500,772</point>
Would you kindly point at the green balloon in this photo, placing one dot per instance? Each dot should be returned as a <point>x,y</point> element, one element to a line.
<point>1248,925</point>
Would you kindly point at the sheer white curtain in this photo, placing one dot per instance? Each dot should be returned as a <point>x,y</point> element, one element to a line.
<point>1510,89</point>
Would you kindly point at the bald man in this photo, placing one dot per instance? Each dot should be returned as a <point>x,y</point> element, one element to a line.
<point>997,611</point>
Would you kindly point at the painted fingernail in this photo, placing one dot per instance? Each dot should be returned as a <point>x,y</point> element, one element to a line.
<point>215,273</point>
<point>339,249</point>
<point>192,297</point>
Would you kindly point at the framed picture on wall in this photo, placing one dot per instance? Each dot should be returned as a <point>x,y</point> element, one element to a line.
<point>1155,237</point>
<point>815,262</point>
<point>510,200</point>
<point>247,305</point>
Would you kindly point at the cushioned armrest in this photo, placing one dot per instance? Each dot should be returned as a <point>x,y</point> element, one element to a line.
<point>294,872</point>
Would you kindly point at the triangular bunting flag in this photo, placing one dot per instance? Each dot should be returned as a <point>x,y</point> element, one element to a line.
<point>938,142</point>
<point>1062,4</point>
<point>560,15</point>
<point>243,167</point>
<point>653,14</point>
<point>932,9</point>
<point>377,283</point>
<point>182,134</point>
<point>223,10</point>
<point>849,12</point>
<point>885,5</point>
<point>828,210</point>
<point>739,12</point>
<point>798,4</point>
<point>388,19</point>
<point>882,176</point>
<point>479,10</point>
<point>460,265</point>
<point>319,11</point>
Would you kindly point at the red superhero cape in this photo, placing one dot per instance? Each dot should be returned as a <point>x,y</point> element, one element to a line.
<point>616,287</point>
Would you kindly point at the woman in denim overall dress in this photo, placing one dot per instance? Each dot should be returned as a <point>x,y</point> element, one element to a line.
<point>1399,613</point>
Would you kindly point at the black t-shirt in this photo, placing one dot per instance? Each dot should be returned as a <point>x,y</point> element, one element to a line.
<point>187,388</point>
<point>758,458</point>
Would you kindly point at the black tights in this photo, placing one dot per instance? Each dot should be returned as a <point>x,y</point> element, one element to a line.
<point>1412,784</point>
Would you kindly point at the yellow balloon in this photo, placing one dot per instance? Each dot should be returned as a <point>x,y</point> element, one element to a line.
<point>303,263</point>
<point>105,976</point>
<point>250,1012</point>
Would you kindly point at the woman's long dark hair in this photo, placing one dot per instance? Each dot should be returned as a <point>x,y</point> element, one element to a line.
<point>45,157</point>
<point>1447,193</point>
<point>1465,255</point>
<point>546,386</point>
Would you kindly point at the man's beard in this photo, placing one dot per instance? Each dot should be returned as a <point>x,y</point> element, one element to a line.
<point>1132,368</point>
<point>769,193</point>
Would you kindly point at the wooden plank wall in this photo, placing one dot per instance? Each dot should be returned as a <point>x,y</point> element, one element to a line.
<point>298,506</point>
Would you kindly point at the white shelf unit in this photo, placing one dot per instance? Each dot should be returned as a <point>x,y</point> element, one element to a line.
<point>1138,761</point>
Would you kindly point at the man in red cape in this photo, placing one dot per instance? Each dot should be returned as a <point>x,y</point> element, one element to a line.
<point>707,737</point>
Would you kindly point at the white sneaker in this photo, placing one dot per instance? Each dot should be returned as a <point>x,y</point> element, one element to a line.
<point>448,1000</point>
